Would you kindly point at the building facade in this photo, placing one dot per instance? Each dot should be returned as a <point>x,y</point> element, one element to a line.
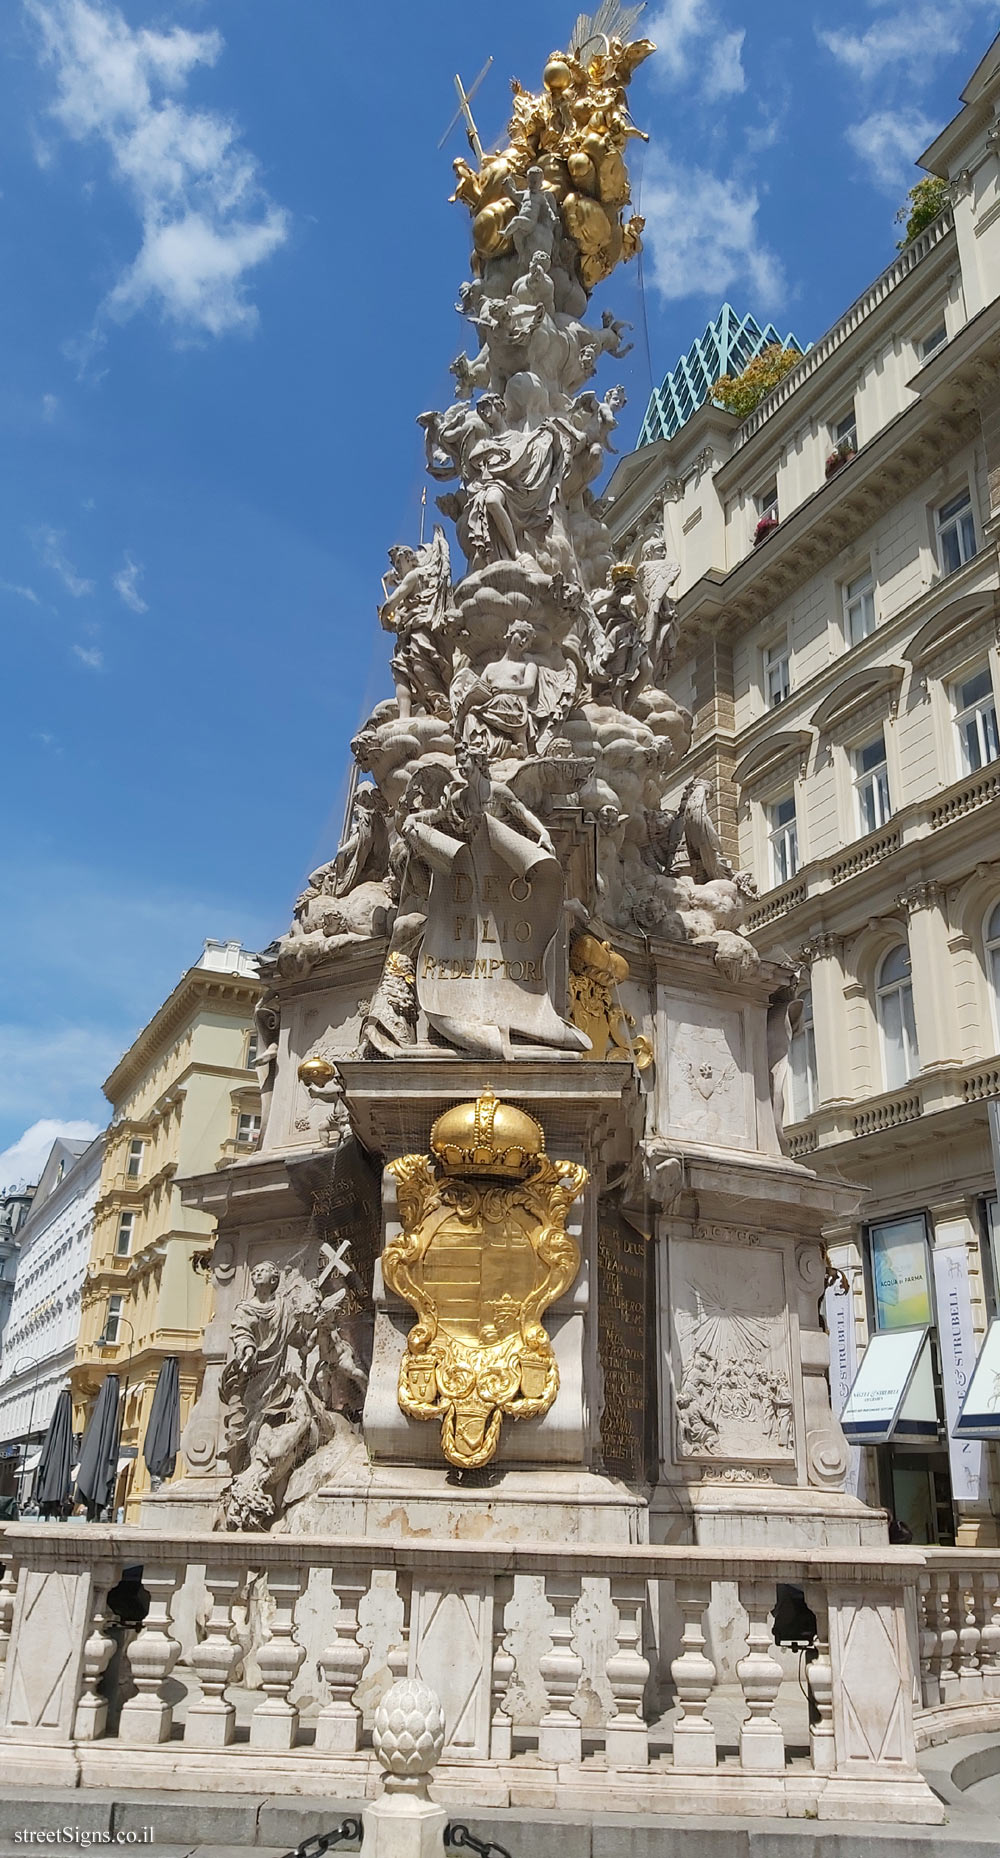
<point>184,1099</point>
<point>15,1203</point>
<point>54,1242</point>
<point>837,644</point>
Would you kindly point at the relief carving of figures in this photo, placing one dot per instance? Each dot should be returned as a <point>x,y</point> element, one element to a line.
<point>732,1373</point>
<point>279,1384</point>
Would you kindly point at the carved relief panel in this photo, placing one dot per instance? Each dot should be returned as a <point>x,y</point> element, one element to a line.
<point>729,1364</point>
<point>706,1087</point>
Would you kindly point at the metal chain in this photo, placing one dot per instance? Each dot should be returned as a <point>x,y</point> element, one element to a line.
<point>349,1831</point>
<point>459,1836</point>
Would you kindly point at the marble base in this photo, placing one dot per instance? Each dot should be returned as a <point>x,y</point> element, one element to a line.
<point>543,1505</point>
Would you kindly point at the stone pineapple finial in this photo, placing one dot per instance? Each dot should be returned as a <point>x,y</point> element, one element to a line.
<point>408,1733</point>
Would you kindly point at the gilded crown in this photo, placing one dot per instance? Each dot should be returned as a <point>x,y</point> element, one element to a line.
<point>623,571</point>
<point>487,1137</point>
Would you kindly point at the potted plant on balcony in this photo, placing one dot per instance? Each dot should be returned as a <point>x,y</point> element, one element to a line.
<point>764,528</point>
<point>841,455</point>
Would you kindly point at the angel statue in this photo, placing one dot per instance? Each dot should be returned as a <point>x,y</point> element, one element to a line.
<point>418,611</point>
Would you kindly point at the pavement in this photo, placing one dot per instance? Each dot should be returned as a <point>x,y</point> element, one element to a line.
<point>964,1772</point>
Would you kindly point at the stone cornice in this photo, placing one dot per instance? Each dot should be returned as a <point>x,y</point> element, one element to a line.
<point>198,987</point>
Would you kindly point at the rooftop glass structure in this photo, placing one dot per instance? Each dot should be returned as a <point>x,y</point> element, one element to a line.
<point>727,346</point>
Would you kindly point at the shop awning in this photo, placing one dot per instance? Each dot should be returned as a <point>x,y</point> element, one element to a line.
<point>980,1414</point>
<point>892,1396</point>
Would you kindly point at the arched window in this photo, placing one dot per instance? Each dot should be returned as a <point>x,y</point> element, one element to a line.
<point>802,1090</point>
<point>894,1010</point>
<point>991,949</point>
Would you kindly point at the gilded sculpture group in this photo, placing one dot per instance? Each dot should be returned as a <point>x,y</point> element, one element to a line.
<point>529,703</point>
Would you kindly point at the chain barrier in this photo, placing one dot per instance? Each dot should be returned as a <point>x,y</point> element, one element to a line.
<point>349,1832</point>
<point>461,1839</point>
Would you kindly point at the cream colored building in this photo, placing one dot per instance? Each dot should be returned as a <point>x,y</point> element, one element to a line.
<point>843,673</point>
<point>184,1100</point>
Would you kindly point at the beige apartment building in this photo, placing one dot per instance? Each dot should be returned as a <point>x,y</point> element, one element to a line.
<point>184,1099</point>
<point>838,624</point>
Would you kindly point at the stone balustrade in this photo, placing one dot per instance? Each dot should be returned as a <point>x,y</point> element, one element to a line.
<point>959,1643</point>
<point>566,1674</point>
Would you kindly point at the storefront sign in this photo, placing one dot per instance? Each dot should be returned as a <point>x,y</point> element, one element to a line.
<point>957,1344</point>
<point>900,1275</point>
<point>893,1391</point>
<point>838,1308</point>
<point>980,1415</point>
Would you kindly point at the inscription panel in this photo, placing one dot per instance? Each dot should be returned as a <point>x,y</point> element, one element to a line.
<point>624,1278</point>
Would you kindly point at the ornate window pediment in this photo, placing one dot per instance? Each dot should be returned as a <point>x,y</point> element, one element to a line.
<point>853,693</point>
<point>950,627</point>
<point>763,761</point>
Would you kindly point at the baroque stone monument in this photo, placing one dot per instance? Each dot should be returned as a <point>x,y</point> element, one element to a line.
<point>519,1256</point>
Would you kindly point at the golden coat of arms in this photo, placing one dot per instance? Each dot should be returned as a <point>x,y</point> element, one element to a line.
<point>483,1252</point>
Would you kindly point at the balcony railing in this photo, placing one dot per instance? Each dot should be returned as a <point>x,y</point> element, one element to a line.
<point>568,1675</point>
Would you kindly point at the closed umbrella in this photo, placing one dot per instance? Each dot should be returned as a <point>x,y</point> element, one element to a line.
<point>95,1479</point>
<point>163,1433</point>
<point>54,1480</point>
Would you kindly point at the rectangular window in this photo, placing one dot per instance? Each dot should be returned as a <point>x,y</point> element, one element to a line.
<point>901,1285</point>
<point>777,679</point>
<point>871,785</point>
<point>123,1240</point>
<point>956,533</point>
<point>859,607</point>
<point>247,1129</point>
<point>252,1044</point>
<point>932,341</point>
<point>133,1167</point>
<point>845,431</point>
<point>767,502</point>
<point>784,839</point>
<point>112,1320</point>
<point>976,721</point>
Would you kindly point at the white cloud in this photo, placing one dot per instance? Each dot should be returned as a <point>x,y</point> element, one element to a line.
<point>206,220</point>
<point>888,142</point>
<point>25,1158</point>
<point>905,42</point>
<point>50,407</point>
<point>125,584</point>
<point>692,46</point>
<point>90,656</point>
<point>49,547</point>
<point>724,73</point>
<point>25,593</point>
<point>702,235</point>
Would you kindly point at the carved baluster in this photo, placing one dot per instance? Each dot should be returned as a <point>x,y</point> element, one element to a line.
<point>988,1585</point>
<point>560,1736</point>
<point>762,1741</point>
<point>398,1655</point>
<point>945,1677</point>
<point>338,1725</point>
<point>146,1717</point>
<point>819,1678</point>
<point>504,1664</point>
<point>274,1723</point>
<point>694,1680</point>
<point>91,1717</point>
<point>8,1590</point>
<point>211,1721</point>
<point>970,1676</point>
<point>626,1738</point>
<point>928,1643</point>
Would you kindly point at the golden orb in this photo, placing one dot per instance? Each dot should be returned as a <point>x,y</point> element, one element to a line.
<point>316,1071</point>
<point>557,75</point>
<point>487,1137</point>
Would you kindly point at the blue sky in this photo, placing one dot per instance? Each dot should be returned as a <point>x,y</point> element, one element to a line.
<point>230,267</point>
